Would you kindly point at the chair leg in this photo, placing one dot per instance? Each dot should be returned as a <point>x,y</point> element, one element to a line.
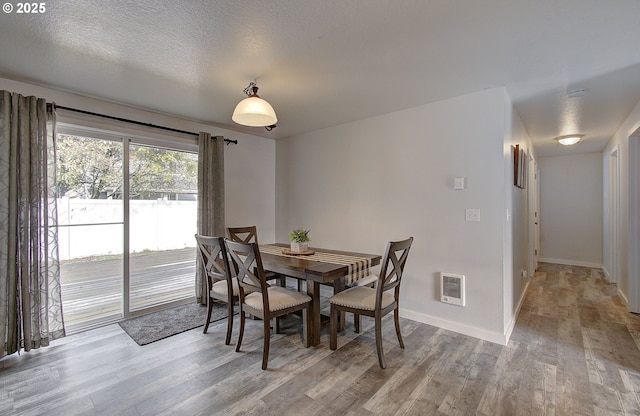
<point>265,348</point>
<point>206,324</point>
<point>383,364</point>
<point>396,318</point>
<point>242,318</point>
<point>357,321</point>
<point>338,286</point>
<point>333,323</point>
<point>229,322</point>
<point>276,325</point>
<point>342,321</point>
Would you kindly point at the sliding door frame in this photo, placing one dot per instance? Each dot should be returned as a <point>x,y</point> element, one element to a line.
<point>127,136</point>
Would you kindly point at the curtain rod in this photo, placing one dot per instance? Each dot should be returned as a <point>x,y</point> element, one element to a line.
<point>140,123</point>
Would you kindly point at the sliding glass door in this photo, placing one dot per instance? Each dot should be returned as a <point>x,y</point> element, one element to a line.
<point>162,223</point>
<point>127,216</point>
<point>90,230</point>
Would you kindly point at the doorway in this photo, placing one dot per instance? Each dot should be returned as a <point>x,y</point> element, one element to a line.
<point>614,215</point>
<point>634,223</point>
<point>534,218</point>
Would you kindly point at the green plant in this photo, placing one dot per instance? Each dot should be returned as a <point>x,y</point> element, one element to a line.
<point>299,236</point>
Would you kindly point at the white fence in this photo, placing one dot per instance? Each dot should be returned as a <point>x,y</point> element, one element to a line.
<point>94,227</point>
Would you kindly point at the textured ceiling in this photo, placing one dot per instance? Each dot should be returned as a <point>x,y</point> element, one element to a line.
<point>323,63</point>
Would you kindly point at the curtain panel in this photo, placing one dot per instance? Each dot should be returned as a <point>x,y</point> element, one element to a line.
<point>30,300</point>
<point>210,199</point>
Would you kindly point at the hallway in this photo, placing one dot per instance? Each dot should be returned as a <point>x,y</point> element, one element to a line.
<point>576,334</point>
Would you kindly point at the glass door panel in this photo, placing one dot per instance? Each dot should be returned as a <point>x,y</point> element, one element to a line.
<point>162,224</point>
<point>90,230</point>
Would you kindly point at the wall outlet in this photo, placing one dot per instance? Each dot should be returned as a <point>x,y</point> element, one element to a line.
<point>472,214</point>
<point>523,273</point>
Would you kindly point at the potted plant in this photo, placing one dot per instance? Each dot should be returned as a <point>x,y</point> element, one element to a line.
<point>299,240</point>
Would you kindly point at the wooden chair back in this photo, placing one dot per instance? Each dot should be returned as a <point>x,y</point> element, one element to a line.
<point>213,254</point>
<point>392,267</point>
<point>243,234</point>
<point>250,235</point>
<point>248,269</point>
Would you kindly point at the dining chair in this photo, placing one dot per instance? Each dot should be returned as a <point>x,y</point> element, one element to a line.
<point>247,235</point>
<point>374,302</point>
<point>250,235</point>
<point>260,299</point>
<point>220,285</point>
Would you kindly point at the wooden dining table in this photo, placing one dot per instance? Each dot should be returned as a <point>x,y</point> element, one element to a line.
<point>315,273</point>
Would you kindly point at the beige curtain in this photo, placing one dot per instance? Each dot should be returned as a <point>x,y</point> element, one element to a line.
<point>210,198</point>
<point>30,302</point>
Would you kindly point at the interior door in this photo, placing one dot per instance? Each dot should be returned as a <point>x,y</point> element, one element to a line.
<point>614,179</point>
<point>536,228</point>
<point>633,274</point>
<point>534,220</point>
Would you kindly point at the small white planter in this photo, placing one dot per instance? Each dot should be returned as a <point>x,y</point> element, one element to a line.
<point>299,247</point>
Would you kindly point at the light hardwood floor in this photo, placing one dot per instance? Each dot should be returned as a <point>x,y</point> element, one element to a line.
<point>575,351</point>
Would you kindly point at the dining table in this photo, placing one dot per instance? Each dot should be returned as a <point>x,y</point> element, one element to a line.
<point>317,266</point>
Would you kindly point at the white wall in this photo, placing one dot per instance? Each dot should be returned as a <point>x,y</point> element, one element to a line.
<point>518,244</point>
<point>249,166</point>
<point>361,184</point>
<point>571,209</point>
<point>626,282</point>
<point>250,185</point>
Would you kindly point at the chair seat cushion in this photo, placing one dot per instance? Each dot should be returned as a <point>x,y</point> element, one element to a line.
<point>220,288</point>
<point>279,298</point>
<point>361,297</point>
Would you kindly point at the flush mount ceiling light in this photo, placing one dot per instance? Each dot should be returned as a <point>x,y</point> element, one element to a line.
<point>569,139</point>
<point>253,111</point>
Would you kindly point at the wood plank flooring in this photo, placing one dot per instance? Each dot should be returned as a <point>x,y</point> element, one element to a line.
<point>575,351</point>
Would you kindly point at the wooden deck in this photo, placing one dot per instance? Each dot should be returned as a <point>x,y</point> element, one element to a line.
<point>92,288</point>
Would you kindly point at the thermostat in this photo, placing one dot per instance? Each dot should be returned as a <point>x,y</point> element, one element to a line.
<point>452,288</point>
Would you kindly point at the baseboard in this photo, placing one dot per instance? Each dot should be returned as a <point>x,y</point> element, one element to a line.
<point>571,262</point>
<point>624,298</point>
<point>495,337</point>
<point>514,318</point>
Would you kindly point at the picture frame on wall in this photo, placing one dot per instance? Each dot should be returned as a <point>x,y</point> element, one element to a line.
<point>520,164</point>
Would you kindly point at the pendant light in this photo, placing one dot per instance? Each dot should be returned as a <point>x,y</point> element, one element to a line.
<point>253,111</point>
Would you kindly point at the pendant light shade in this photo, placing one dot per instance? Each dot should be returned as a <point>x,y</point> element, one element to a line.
<point>253,111</point>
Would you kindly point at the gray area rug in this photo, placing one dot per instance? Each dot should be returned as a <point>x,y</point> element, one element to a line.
<point>163,324</point>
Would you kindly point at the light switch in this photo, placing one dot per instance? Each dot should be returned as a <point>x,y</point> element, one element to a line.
<point>472,214</point>
<point>458,183</point>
